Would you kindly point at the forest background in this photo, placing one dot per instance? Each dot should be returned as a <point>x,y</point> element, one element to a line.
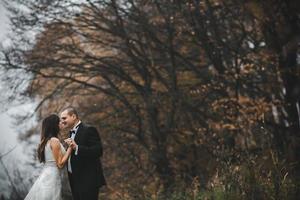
<point>193,99</point>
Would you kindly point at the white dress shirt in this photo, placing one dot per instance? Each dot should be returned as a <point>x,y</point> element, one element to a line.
<point>74,131</point>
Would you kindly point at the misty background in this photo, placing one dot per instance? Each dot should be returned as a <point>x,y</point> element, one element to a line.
<point>17,157</point>
<point>192,99</point>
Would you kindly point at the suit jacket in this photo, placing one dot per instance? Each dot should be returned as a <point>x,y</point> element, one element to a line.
<point>86,166</point>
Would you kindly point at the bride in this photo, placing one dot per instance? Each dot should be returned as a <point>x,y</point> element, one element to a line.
<point>48,186</point>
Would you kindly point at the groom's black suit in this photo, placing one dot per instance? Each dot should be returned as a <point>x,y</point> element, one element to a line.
<point>87,174</point>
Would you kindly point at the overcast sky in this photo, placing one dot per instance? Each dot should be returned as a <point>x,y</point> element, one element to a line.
<point>3,21</point>
<point>22,153</point>
<point>8,131</point>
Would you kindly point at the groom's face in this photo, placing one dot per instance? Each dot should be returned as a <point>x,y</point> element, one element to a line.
<point>67,120</point>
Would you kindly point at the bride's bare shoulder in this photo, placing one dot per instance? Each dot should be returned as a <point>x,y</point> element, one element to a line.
<point>54,141</point>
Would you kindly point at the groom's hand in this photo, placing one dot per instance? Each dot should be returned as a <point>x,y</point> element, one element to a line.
<point>68,141</point>
<point>71,143</point>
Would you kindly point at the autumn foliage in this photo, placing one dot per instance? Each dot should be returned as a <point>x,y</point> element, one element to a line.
<point>190,97</point>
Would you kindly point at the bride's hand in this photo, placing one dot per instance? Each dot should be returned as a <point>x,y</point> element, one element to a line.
<point>68,141</point>
<point>71,143</point>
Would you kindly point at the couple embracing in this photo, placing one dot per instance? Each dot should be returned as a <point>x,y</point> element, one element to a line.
<point>82,159</point>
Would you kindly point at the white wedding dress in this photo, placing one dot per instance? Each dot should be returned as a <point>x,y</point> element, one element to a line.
<point>48,186</point>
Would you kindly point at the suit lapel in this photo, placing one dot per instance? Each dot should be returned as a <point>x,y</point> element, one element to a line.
<point>78,133</point>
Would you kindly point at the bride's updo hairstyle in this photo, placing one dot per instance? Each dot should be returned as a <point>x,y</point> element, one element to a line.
<point>50,128</point>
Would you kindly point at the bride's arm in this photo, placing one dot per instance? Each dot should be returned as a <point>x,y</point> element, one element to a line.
<point>59,157</point>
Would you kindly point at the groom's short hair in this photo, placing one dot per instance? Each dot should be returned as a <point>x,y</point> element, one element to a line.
<point>71,111</point>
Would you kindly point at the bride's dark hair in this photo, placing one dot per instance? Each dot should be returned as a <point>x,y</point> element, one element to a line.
<point>50,128</point>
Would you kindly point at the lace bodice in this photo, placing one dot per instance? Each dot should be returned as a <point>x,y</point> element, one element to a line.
<point>49,158</point>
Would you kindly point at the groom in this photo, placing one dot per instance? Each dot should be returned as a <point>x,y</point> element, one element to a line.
<point>84,166</point>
